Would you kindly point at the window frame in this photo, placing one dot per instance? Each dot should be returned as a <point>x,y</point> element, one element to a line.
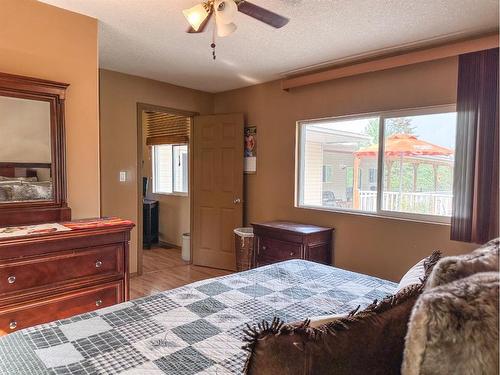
<point>182,193</point>
<point>153,174</point>
<point>379,212</point>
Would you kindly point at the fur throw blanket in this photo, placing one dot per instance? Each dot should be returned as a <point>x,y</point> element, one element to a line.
<point>454,328</point>
<point>448,269</point>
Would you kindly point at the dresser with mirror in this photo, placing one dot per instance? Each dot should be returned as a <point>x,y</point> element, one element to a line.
<point>50,267</point>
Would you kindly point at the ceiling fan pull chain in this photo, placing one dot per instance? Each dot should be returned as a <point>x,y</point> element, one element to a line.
<point>213,45</point>
<point>213,51</point>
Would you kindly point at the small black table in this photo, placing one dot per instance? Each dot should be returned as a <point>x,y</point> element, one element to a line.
<point>150,219</point>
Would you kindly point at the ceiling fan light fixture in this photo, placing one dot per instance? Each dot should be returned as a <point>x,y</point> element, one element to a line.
<point>225,29</point>
<point>225,11</point>
<point>196,15</point>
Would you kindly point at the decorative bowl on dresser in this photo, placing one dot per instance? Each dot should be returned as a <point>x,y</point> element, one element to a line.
<point>56,274</point>
<point>277,241</point>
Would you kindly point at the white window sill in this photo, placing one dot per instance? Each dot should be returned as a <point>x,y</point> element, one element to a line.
<point>401,216</point>
<point>172,194</point>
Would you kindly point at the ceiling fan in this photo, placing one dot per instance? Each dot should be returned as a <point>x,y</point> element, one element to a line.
<point>225,12</point>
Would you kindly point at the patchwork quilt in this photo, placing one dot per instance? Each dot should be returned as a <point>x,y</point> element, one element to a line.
<point>195,329</point>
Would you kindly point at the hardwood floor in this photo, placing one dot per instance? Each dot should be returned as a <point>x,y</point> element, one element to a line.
<point>164,269</point>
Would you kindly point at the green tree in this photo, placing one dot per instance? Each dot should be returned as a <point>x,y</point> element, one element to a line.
<point>445,178</point>
<point>398,125</point>
<point>425,178</point>
<point>372,129</point>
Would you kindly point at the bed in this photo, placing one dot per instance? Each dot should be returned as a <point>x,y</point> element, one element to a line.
<point>195,329</point>
<point>25,182</point>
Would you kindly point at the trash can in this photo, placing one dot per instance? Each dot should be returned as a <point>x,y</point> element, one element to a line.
<point>244,248</point>
<point>186,247</point>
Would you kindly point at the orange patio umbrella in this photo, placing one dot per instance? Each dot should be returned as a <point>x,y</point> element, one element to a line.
<point>397,145</point>
<point>405,145</point>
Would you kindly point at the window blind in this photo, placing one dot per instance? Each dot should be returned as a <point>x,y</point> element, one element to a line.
<point>166,128</point>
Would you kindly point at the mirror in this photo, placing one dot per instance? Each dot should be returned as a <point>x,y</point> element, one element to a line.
<point>32,151</point>
<point>25,150</point>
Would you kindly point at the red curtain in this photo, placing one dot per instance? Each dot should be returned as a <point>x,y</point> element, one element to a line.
<point>476,180</point>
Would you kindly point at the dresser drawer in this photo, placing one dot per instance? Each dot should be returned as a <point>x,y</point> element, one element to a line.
<point>61,267</point>
<point>60,306</point>
<point>271,250</point>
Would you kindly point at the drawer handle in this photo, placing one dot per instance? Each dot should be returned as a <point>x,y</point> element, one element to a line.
<point>264,248</point>
<point>13,325</point>
<point>292,254</point>
<point>98,264</point>
<point>98,302</point>
<point>11,279</point>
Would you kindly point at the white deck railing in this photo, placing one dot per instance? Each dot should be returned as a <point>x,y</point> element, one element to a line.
<point>429,203</point>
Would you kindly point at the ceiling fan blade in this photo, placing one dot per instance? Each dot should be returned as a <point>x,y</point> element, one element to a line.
<point>203,26</point>
<point>261,14</point>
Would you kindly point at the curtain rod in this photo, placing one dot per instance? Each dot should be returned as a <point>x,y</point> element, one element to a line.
<point>403,59</point>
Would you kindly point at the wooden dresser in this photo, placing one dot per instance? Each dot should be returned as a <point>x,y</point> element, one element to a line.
<point>280,240</point>
<point>50,276</point>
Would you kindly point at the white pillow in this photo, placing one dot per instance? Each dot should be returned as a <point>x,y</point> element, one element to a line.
<point>320,320</point>
<point>415,275</point>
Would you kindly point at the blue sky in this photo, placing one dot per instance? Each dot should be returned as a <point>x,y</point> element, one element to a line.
<point>438,128</point>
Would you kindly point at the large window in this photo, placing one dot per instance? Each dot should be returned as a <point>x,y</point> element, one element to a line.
<point>170,169</point>
<point>344,166</point>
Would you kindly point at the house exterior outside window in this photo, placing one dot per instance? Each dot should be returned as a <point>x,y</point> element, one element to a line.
<point>342,164</point>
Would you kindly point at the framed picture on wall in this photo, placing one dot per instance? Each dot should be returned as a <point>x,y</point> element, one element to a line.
<point>250,151</point>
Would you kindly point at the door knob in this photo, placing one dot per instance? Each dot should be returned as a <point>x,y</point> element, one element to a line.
<point>237,201</point>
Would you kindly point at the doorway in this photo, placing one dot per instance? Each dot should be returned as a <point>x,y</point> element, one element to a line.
<point>193,168</point>
<point>163,178</point>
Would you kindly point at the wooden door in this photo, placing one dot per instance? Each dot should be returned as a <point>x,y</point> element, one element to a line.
<point>217,188</point>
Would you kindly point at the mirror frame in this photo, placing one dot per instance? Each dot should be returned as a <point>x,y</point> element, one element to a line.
<point>56,209</point>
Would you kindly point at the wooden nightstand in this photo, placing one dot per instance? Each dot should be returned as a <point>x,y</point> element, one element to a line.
<point>150,222</point>
<point>277,241</point>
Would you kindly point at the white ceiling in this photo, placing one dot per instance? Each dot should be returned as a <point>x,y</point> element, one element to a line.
<point>147,37</point>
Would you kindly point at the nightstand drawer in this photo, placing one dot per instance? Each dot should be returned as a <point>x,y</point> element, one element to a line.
<point>40,272</point>
<point>271,250</point>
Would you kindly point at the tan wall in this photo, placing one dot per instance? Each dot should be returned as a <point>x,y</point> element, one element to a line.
<point>372,245</point>
<point>43,41</point>
<point>119,96</point>
<point>174,218</point>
